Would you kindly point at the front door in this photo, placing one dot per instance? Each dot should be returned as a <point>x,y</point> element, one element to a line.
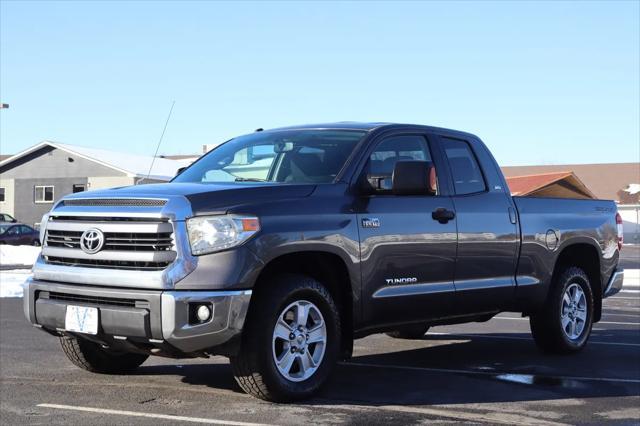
<point>407,256</point>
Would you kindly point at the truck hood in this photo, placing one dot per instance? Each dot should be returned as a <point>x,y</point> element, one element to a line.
<point>206,198</point>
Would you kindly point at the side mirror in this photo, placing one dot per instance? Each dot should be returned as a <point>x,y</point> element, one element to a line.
<point>180,170</point>
<point>414,178</point>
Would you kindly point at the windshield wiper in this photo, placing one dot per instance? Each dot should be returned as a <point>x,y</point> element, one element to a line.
<point>242,179</point>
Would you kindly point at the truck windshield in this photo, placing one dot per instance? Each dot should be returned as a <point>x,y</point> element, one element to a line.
<point>293,156</point>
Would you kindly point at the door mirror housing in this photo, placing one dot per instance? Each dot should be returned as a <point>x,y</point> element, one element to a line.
<point>414,178</point>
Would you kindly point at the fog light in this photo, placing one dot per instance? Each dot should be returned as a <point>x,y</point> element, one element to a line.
<point>203,313</point>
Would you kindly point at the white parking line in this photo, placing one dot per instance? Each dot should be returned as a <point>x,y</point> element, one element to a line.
<point>621,315</point>
<point>485,336</point>
<point>488,373</point>
<point>599,322</point>
<point>499,417</point>
<point>149,415</point>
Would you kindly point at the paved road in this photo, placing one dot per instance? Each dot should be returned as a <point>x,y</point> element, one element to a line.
<point>481,373</point>
<point>630,257</point>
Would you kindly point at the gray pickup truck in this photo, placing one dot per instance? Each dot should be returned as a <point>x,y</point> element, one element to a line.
<point>277,249</point>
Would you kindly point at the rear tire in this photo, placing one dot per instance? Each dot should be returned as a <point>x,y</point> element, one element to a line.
<point>409,332</point>
<point>274,334</point>
<point>564,324</point>
<point>92,357</point>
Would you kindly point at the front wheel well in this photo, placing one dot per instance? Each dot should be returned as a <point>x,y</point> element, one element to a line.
<point>585,257</point>
<point>327,268</point>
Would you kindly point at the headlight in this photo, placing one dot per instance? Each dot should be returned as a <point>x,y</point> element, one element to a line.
<point>208,234</point>
<point>43,227</point>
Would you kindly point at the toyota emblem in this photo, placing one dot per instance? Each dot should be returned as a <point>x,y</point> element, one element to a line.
<point>92,241</point>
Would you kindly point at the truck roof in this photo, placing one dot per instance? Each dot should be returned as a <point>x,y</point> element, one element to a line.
<point>366,126</point>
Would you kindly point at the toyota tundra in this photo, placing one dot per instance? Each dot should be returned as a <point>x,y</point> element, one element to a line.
<point>278,248</point>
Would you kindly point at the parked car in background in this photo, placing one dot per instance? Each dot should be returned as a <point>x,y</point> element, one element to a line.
<point>7,218</point>
<point>17,234</point>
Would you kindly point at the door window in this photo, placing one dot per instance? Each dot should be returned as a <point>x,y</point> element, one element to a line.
<point>397,148</point>
<point>466,173</point>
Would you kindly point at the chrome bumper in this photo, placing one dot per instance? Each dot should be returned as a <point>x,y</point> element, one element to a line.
<point>615,283</point>
<point>153,317</point>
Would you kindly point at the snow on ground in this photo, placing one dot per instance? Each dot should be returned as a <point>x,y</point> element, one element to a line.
<point>18,255</point>
<point>631,278</point>
<point>11,282</point>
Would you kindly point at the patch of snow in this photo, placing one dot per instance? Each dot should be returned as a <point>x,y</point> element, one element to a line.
<point>18,255</point>
<point>633,188</point>
<point>11,282</point>
<point>631,278</point>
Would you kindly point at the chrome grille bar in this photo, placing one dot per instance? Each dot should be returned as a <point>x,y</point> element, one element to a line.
<point>115,255</point>
<point>115,227</point>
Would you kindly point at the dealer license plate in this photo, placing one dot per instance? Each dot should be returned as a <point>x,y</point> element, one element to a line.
<point>81,319</point>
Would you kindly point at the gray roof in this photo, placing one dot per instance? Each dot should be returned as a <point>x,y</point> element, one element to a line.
<point>131,164</point>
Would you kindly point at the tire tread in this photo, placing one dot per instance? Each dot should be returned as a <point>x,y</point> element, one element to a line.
<point>90,357</point>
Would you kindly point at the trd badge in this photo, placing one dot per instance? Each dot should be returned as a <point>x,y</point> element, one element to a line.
<point>371,222</point>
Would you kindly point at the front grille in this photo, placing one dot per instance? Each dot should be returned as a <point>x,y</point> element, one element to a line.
<point>122,241</point>
<point>115,202</point>
<point>103,301</point>
<point>109,264</point>
<point>69,239</point>
<point>134,244</point>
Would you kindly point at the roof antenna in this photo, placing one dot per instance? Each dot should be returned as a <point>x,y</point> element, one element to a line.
<point>160,141</point>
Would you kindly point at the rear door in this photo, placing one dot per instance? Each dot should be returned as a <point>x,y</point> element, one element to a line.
<point>13,235</point>
<point>26,235</point>
<point>487,230</point>
<point>407,257</point>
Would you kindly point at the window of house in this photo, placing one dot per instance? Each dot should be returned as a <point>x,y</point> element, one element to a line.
<point>44,194</point>
<point>2,192</point>
<point>79,187</point>
<point>467,176</point>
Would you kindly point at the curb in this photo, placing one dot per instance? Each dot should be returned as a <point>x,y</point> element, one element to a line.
<point>14,267</point>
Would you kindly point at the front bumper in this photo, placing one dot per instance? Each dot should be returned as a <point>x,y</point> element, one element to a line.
<point>615,283</point>
<point>148,317</point>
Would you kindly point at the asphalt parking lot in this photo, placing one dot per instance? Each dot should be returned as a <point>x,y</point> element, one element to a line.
<point>474,373</point>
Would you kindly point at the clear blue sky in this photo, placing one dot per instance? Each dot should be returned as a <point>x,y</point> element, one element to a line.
<point>539,82</point>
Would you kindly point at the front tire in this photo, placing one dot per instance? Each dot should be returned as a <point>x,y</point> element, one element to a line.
<point>564,324</point>
<point>291,340</point>
<point>92,357</point>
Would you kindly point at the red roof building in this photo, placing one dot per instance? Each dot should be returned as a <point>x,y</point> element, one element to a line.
<point>555,185</point>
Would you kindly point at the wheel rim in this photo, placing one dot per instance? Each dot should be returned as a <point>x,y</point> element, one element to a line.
<point>574,311</point>
<point>299,341</point>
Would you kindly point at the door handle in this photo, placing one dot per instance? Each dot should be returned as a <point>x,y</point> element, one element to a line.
<point>513,217</point>
<point>443,215</point>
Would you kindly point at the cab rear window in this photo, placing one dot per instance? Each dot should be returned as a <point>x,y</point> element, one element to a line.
<point>465,171</point>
